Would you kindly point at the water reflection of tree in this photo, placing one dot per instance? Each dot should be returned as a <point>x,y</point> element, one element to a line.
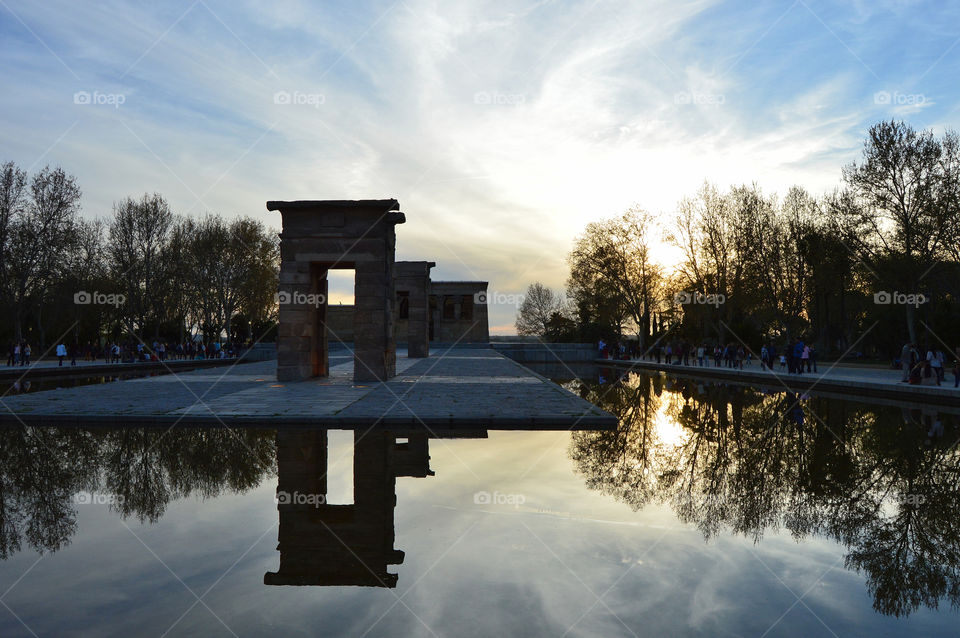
<point>142,469</point>
<point>620,462</point>
<point>748,462</point>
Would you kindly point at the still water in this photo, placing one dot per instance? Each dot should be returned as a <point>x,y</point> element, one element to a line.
<point>710,511</point>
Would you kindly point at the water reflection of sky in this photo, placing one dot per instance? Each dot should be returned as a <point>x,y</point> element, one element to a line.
<point>567,558</point>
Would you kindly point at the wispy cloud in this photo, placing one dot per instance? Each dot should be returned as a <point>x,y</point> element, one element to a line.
<point>502,127</point>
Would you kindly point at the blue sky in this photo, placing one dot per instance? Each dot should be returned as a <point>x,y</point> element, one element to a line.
<point>501,127</point>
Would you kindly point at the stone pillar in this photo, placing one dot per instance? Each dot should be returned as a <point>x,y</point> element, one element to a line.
<point>374,344</point>
<point>319,236</point>
<point>296,322</point>
<point>413,278</point>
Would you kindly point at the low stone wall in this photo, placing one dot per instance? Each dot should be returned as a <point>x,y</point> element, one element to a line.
<point>260,352</point>
<point>523,352</point>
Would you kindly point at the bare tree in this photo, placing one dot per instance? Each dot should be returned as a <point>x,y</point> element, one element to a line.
<point>232,267</point>
<point>38,238</point>
<point>613,257</point>
<point>261,276</point>
<point>900,214</point>
<point>138,234</point>
<point>13,201</point>
<point>539,304</point>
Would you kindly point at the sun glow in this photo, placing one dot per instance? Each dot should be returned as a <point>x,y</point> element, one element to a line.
<point>669,432</point>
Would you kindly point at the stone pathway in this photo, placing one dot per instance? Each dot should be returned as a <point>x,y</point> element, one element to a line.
<point>453,388</point>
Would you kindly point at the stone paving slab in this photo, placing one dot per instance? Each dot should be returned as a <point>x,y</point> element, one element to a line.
<point>450,389</point>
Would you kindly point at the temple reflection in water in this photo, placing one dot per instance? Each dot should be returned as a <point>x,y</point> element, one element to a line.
<point>326,544</point>
<point>880,480</point>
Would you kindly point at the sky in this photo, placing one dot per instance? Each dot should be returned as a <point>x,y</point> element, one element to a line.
<point>502,127</point>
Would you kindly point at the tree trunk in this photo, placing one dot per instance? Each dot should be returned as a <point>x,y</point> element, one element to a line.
<point>911,328</point>
<point>40,330</point>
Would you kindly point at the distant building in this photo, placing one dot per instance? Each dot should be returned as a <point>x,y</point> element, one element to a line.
<point>458,314</point>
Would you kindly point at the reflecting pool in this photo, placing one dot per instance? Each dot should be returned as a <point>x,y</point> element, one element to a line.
<point>711,510</point>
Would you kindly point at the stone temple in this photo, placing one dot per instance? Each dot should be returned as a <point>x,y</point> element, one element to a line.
<point>394,302</point>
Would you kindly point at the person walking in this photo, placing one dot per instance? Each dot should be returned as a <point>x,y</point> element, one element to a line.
<point>915,365</point>
<point>905,362</point>
<point>26,354</point>
<point>61,354</point>
<point>10,354</point>
<point>74,347</point>
<point>805,358</point>
<point>935,361</point>
<point>956,373</point>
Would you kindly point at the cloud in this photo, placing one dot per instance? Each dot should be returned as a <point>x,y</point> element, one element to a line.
<point>502,128</point>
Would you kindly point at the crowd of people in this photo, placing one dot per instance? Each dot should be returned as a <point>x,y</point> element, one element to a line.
<point>926,365</point>
<point>920,365</point>
<point>20,353</point>
<point>795,357</point>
